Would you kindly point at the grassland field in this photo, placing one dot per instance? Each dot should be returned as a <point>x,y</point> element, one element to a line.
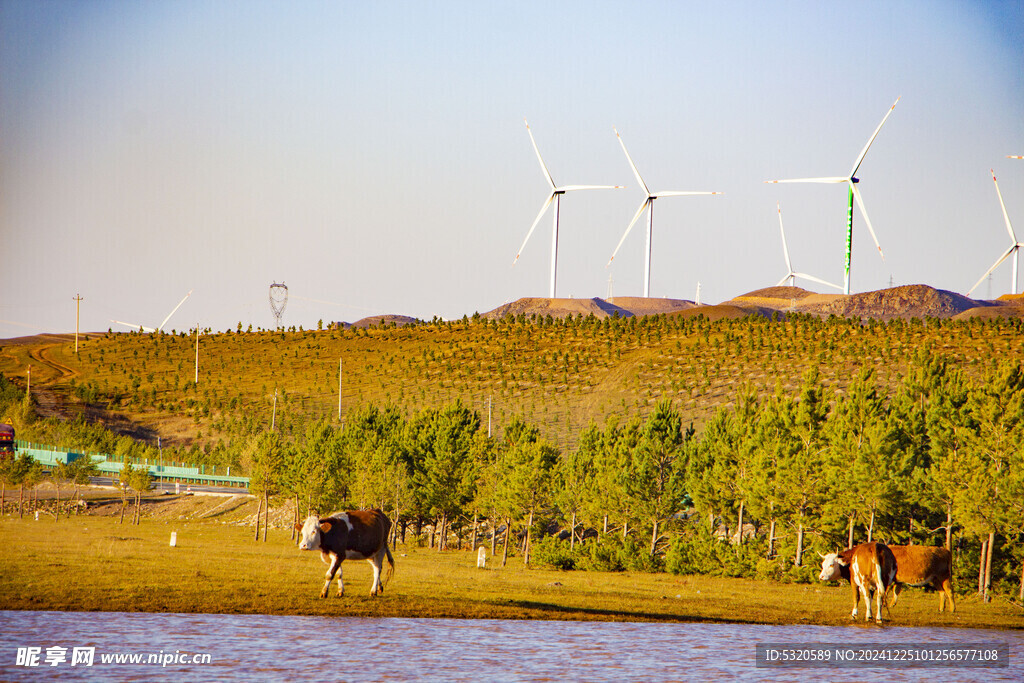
<point>91,562</point>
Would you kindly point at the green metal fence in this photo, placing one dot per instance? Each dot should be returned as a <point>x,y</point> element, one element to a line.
<point>107,465</point>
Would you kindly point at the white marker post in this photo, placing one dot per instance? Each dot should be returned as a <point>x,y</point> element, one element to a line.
<point>174,539</point>
<point>481,558</point>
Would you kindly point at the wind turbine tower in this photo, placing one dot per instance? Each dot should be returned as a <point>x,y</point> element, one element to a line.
<point>555,196</point>
<point>647,204</point>
<point>854,194</point>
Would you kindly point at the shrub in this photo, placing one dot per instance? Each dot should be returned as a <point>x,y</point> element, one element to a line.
<point>700,553</point>
<point>552,552</point>
<point>601,556</point>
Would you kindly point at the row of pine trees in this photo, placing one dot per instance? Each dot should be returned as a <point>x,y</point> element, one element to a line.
<point>936,460</point>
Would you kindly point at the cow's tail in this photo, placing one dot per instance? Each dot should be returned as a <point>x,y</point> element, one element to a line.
<point>391,564</point>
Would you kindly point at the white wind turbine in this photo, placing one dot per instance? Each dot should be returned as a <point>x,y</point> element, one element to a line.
<point>150,329</point>
<point>1014,248</point>
<point>791,274</point>
<point>556,193</point>
<point>647,204</point>
<point>851,180</point>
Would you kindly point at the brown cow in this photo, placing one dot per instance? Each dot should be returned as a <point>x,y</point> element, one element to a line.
<point>924,565</point>
<point>352,535</point>
<point>916,565</point>
<point>871,567</point>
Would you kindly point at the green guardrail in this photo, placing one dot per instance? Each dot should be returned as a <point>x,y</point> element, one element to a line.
<point>49,456</point>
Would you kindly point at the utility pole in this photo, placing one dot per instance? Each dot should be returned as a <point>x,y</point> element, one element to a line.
<point>339,388</point>
<point>28,390</point>
<point>488,417</point>
<point>273,417</point>
<point>78,306</point>
<point>197,355</point>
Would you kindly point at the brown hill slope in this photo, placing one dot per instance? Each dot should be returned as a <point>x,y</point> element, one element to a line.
<point>910,301</point>
<point>557,308</point>
<point>638,305</point>
<point>377,320</point>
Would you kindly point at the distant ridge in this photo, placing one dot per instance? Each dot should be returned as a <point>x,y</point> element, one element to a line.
<point>910,301</point>
<point>727,310</point>
<point>557,308</point>
<point>638,305</point>
<point>377,320</point>
<point>904,302</point>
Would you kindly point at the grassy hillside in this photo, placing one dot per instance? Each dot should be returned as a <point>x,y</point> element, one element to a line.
<point>558,374</point>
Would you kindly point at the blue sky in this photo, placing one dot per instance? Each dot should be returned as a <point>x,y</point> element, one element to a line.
<point>373,156</point>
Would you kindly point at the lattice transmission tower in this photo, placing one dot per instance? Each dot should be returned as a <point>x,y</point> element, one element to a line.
<point>278,300</point>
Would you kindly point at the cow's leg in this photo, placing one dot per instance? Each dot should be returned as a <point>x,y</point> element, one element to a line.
<point>896,588</point>
<point>376,562</point>
<point>341,583</point>
<point>880,588</point>
<point>856,599</point>
<point>334,566</point>
<point>947,594</point>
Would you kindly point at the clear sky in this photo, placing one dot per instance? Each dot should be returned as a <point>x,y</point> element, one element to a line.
<point>372,155</point>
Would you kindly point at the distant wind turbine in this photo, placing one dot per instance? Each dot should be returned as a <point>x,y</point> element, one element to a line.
<point>555,196</point>
<point>791,274</point>
<point>150,329</point>
<point>851,180</point>
<point>647,204</point>
<point>1014,248</point>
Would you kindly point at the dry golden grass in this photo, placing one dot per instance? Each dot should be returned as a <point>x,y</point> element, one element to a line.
<point>92,563</point>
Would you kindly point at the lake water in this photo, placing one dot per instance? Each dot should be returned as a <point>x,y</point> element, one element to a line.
<point>274,648</point>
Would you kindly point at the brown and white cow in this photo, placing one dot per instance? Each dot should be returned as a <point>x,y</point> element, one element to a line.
<point>352,535</point>
<point>916,565</point>
<point>924,565</point>
<point>871,568</point>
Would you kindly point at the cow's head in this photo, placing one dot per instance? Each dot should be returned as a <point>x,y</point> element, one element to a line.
<point>831,565</point>
<point>309,533</point>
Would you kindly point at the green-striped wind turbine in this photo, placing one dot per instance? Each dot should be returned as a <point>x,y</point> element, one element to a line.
<point>854,194</point>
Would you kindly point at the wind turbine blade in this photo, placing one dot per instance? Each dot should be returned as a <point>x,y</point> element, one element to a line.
<point>570,188</point>
<point>1006,255</point>
<point>631,164</point>
<point>863,152</point>
<point>867,221</point>
<point>673,193</point>
<point>134,326</point>
<point>539,158</point>
<point>174,311</point>
<point>785,248</point>
<point>636,217</point>
<point>1009,228</point>
<point>783,280</point>
<point>805,276</point>
<point>533,227</point>
<point>834,179</point>
<point>1014,156</point>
